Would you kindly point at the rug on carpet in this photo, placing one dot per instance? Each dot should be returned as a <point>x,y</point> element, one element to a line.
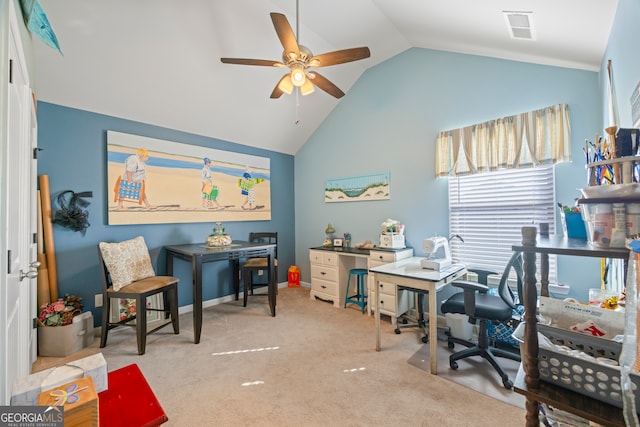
<point>474,372</point>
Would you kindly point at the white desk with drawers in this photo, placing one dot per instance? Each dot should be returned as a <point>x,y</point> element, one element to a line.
<point>330,272</point>
<point>409,273</point>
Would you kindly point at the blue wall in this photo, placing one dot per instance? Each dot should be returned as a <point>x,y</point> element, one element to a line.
<point>73,144</point>
<point>389,121</point>
<point>622,50</point>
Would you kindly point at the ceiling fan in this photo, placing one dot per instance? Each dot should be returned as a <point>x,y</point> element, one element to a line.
<point>299,59</point>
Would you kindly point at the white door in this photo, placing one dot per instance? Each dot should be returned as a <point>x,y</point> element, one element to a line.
<point>17,197</point>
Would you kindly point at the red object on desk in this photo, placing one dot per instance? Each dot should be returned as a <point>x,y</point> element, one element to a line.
<point>129,400</point>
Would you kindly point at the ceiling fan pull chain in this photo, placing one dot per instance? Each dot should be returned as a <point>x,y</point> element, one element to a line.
<point>297,121</point>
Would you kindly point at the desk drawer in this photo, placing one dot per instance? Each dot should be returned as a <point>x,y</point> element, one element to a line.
<point>387,303</point>
<point>374,263</point>
<point>385,257</point>
<point>323,257</point>
<point>324,273</point>
<point>325,287</point>
<point>330,258</point>
<point>387,289</point>
<point>382,257</point>
<point>315,257</point>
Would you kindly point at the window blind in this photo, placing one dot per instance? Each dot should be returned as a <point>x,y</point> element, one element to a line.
<point>488,210</point>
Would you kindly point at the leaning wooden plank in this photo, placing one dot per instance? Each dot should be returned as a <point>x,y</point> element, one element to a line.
<point>44,294</point>
<point>47,225</point>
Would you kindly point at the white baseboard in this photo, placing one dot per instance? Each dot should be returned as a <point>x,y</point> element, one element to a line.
<point>224,299</point>
<point>208,303</point>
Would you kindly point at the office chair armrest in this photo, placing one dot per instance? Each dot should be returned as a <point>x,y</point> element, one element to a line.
<point>472,286</point>
<point>483,275</point>
<point>469,290</point>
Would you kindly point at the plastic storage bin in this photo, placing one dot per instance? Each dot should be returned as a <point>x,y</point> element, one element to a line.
<point>608,224</point>
<point>598,219</point>
<point>600,381</point>
<point>459,325</point>
<point>573,225</point>
<point>633,219</point>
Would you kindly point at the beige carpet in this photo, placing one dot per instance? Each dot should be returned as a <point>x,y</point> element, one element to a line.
<point>312,365</point>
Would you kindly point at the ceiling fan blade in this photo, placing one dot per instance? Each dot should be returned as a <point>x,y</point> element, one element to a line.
<point>243,61</point>
<point>340,57</point>
<point>277,93</point>
<point>285,33</point>
<point>324,84</point>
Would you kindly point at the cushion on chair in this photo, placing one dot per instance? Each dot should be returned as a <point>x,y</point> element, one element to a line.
<point>487,307</point>
<point>127,261</point>
<point>258,263</point>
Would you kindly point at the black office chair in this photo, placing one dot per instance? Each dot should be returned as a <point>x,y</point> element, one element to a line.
<point>253,265</point>
<point>480,306</point>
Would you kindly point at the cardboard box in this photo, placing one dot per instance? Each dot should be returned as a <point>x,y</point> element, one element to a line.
<point>79,400</point>
<point>26,389</point>
<point>61,341</point>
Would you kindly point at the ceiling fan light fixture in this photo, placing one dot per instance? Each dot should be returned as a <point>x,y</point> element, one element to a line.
<point>298,77</point>
<point>306,88</point>
<point>286,85</point>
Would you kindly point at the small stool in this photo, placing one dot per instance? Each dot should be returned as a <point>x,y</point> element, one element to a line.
<point>360,298</point>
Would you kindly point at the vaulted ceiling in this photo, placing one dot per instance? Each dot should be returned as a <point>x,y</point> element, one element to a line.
<point>158,61</point>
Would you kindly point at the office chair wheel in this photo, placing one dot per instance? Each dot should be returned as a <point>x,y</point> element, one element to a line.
<point>450,345</point>
<point>425,339</point>
<point>453,365</point>
<point>398,331</point>
<point>507,384</point>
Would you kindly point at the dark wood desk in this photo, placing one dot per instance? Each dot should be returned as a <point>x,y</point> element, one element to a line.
<point>200,253</point>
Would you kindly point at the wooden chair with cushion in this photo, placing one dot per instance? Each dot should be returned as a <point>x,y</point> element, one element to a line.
<point>127,273</point>
<point>254,265</point>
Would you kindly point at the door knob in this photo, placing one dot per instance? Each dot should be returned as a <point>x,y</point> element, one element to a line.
<point>31,274</point>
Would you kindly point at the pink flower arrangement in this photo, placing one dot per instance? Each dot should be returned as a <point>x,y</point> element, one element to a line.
<point>61,312</point>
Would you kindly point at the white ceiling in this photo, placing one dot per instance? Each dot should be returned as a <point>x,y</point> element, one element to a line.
<point>158,61</point>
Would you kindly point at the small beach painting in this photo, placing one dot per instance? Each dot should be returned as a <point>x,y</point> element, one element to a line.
<point>154,181</point>
<point>358,188</point>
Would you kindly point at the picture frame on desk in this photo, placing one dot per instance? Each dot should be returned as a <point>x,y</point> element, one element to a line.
<point>337,243</point>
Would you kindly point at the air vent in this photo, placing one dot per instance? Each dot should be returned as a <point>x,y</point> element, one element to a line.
<point>519,24</point>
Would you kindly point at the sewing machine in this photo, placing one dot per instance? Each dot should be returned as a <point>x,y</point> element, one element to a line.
<point>432,246</point>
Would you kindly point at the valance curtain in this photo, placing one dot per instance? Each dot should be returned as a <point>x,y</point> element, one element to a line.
<point>524,140</point>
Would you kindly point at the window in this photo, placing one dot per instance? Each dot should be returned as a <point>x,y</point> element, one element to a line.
<point>488,210</point>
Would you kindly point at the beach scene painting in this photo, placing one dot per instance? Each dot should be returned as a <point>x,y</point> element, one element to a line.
<point>358,188</point>
<point>154,181</point>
